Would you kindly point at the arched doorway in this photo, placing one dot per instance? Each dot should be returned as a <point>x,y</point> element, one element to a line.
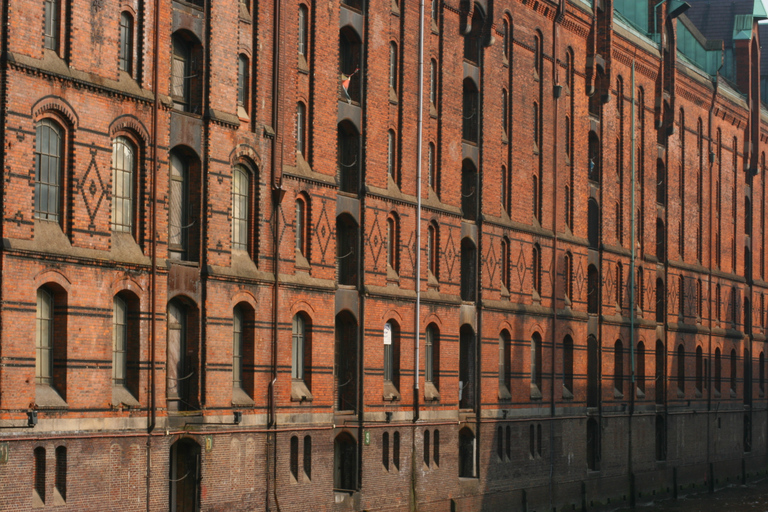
<point>184,476</point>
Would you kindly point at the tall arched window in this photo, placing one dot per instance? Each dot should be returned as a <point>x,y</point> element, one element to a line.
<point>301,129</point>
<point>640,369</point>
<point>470,112</point>
<point>505,365</point>
<point>123,165</point>
<point>432,249</point>
<point>433,83</point>
<point>349,157</point>
<point>432,356</point>
<point>593,290</point>
<point>618,368</point>
<point>51,22</point>
<point>393,242</point>
<point>431,168</point>
<point>468,270</point>
<point>718,371</point>
<point>536,269</point>
<point>302,226</point>
<point>242,81</point>
<point>303,30</point>
<point>536,365</point>
<point>48,170</point>
<point>240,207</point>
<point>125,61</point>
<point>301,358</point>
<point>568,367</point>
<point>391,155</point>
<point>393,68</point>
<point>681,370</point>
<point>472,41</point>
<point>44,337</point>
<point>391,360</point>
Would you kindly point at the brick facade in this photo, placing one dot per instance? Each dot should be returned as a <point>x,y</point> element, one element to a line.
<point>555,382</point>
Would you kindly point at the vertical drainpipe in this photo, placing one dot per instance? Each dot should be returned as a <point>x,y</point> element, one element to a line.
<point>709,277</point>
<point>419,151</point>
<point>151,420</point>
<point>633,220</point>
<point>555,145</point>
<point>203,256</point>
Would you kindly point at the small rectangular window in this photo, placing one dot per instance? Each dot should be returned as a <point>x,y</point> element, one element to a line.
<point>126,43</point>
<point>52,24</point>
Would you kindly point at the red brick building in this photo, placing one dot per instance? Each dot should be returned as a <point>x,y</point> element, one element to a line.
<point>234,233</point>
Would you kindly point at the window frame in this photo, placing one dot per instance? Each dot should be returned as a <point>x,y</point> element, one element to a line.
<point>125,190</point>
<point>52,157</point>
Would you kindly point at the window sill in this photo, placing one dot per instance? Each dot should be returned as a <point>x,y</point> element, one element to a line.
<point>535,392</point>
<point>431,394</point>
<point>392,275</point>
<point>393,96</point>
<point>618,395</point>
<point>48,398</point>
<point>432,111</point>
<point>301,262</point>
<point>300,392</point>
<point>390,392</point>
<point>242,115</point>
<point>567,394</point>
<point>303,64</point>
<point>241,398</point>
<point>122,397</point>
<point>640,393</point>
<point>435,29</point>
<point>504,393</point>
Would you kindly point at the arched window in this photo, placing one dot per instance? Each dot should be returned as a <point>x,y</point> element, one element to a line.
<point>393,68</point>
<point>303,31</point>
<point>52,15</point>
<point>240,207</point>
<point>733,373</point>
<point>123,166</point>
<point>432,356</point>
<point>432,249</point>
<point>301,129</point>
<point>761,373</point>
<point>505,365</point>
<point>505,38</point>
<point>242,81</point>
<point>302,226</point>
<point>182,377</point>
<point>393,242</point>
<point>385,450</point>
<point>48,170</point>
<point>183,226</point>
<point>391,360</point>
<point>593,372</point>
<point>301,358</point>
<point>125,61</point>
<point>618,368</point>
<point>39,475</point>
<point>568,367</point>
<point>345,362</point>
<point>681,370</point>
<point>536,365</point>
<point>294,458</point>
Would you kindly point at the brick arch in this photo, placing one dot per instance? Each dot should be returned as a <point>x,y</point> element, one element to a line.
<point>185,296</point>
<point>302,306</point>
<point>52,276</point>
<point>243,297</point>
<point>245,153</point>
<point>433,318</point>
<point>58,105</point>
<point>131,124</point>
<point>392,314</point>
<point>127,284</point>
